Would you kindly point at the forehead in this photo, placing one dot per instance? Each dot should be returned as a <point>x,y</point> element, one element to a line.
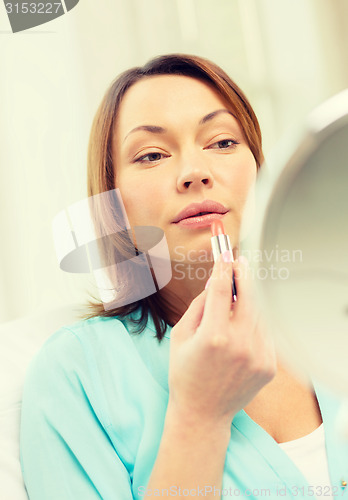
<point>167,97</point>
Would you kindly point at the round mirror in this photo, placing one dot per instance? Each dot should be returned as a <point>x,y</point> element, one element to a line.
<point>299,246</point>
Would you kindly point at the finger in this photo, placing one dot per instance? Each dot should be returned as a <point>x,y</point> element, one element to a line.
<point>219,295</point>
<point>192,317</point>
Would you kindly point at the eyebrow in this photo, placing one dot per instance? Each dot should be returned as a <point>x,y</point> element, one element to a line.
<point>160,130</point>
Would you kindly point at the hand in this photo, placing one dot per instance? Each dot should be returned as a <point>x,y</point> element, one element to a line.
<point>220,359</point>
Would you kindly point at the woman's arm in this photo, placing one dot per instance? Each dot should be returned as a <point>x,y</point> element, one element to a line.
<point>191,457</point>
<point>219,360</point>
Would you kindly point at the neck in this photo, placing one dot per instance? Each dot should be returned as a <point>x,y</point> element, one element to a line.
<point>188,281</point>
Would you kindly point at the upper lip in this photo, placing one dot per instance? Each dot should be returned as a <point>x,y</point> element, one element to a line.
<point>195,208</point>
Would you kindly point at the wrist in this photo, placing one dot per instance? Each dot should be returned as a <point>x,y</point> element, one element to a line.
<point>187,423</point>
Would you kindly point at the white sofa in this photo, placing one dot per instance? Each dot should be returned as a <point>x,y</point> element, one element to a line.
<point>19,340</point>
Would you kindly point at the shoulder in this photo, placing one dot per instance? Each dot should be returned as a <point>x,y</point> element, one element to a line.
<point>97,359</point>
<point>70,350</point>
<point>74,343</point>
<point>80,360</point>
<point>89,346</point>
<point>74,340</point>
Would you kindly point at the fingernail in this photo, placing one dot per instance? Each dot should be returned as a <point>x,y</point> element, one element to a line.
<point>207,284</point>
<point>226,256</point>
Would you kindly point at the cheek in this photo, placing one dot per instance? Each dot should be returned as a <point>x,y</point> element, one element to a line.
<point>247,198</point>
<point>131,197</point>
<point>243,179</point>
<point>143,201</point>
<point>248,214</point>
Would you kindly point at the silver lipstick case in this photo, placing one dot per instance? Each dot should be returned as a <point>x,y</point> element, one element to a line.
<point>220,244</point>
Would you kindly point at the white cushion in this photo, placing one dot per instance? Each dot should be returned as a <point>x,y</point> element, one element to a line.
<point>19,341</point>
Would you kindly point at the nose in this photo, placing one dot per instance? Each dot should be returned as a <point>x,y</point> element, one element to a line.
<point>194,178</point>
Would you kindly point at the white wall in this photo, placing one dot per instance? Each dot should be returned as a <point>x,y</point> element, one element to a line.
<point>288,55</point>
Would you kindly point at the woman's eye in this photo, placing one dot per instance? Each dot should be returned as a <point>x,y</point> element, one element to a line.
<point>150,157</point>
<point>224,144</point>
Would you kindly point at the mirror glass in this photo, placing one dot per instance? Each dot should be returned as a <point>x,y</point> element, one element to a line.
<point>299,245</point>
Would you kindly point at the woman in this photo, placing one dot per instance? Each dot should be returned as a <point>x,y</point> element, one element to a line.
<point>179,393</point>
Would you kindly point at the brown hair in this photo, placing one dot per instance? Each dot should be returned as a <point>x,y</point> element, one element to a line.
<point>101,168</point>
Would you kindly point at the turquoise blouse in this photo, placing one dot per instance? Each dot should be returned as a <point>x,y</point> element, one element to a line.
<point>94,404</point>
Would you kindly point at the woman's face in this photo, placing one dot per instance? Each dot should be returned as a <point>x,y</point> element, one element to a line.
<point>175,144</point>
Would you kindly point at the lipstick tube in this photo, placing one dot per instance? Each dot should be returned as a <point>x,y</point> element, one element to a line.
<point>220,243</point>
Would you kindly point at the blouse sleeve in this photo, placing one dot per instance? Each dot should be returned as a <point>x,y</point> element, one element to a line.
<point>65,449</point>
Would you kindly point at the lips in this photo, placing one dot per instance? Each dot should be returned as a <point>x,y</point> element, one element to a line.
<point>197,215</point>
<point>199,221</point>
<point>200,209</point>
